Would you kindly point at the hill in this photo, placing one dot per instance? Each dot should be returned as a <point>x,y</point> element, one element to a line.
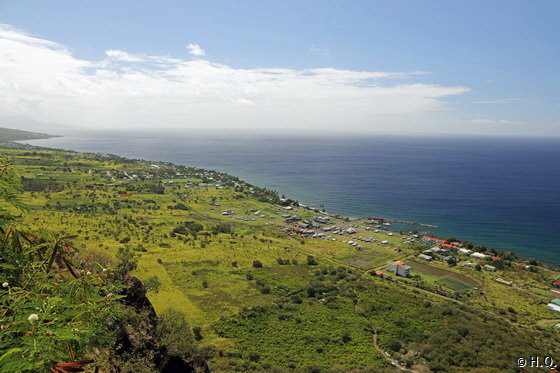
<point>267,285</point>
<point>10,134</point>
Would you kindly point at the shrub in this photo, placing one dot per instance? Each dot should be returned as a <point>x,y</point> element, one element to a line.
<point>257,264</point>
<point>180,206</point>
<point>394,345</point>
<point>175,333</point>
<point>152,284</point>
<point>197,331</point>
<point>311,260</point>
<point>221,228</point>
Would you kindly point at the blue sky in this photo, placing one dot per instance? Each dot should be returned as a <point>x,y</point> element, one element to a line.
<point>465,66</point>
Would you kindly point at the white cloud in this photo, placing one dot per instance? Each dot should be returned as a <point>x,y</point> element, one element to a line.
<point>497,101</point>
<point>195,50</point>
<point>43,80</point>
<point>123,56</point>
<point>497,121</point>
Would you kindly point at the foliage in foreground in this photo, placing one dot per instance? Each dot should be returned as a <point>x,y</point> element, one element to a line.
<point>50,311</point>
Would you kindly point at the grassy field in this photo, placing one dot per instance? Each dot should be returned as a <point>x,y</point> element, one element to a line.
<point>267,296</point>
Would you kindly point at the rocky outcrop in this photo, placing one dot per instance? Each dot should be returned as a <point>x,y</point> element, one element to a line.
<point>137,335</point>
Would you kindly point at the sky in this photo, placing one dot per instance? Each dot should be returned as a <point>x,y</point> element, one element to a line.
<point>473,67</point>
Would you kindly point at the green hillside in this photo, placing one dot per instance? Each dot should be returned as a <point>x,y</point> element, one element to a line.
<point>266,285</point>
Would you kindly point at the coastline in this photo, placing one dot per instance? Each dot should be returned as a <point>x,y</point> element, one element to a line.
<point>386,223</point>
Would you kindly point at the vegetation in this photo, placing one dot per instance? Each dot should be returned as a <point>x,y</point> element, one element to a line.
<point>234,278</point>
<point>9,134</point>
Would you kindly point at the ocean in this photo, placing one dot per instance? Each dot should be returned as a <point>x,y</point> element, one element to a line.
<point>502,192</point>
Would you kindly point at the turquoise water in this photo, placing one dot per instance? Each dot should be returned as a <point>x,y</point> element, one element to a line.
<point>501,192</point>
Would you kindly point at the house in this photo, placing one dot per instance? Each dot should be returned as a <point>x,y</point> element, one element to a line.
<point>465,251</point>
<point>424,257</point>
<point>489,268</point>
<point>399,268</point>
<point>321,219</point>
<point>469,264</point>
<point>556,301</point>
<point>479,255</point>
<point>403,270</point>
<point>556,283</point>
<point>554,307</point>
<point>444,251</point>
<point>504,282</point>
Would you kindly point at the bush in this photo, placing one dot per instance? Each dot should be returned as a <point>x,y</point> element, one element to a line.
<point>257,264</point>
<point>311,260</point>
<point>296,299</point>
<point>394,345</point>
<point>175,333</point>
<point>152,284</point>
<point>127,262</point>
<point>221,228</point>
<point>197,331</point>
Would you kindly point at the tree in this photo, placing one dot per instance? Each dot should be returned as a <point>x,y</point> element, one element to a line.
<point>257,264</point>
<point>311,260</point>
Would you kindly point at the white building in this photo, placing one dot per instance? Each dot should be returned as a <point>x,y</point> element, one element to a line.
<point>424,257</point>
<point>399,268</point>
<point>479,256</point>
<point>403,270</point>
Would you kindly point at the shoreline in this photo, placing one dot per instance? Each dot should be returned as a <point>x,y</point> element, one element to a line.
<point>21,144</point>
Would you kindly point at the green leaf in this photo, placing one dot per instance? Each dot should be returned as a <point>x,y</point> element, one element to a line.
<point>5,356</point>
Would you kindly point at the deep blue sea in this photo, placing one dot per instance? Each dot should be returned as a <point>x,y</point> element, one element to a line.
<point>501,192</point>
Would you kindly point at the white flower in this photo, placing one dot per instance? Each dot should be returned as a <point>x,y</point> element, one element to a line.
<point>33,317</point>
<point>5,285</point>
<point>104,269</point>
<point>88,273</point>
